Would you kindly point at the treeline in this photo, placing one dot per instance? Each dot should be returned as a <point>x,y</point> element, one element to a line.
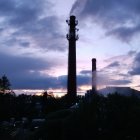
<point>115,117</point>
<point>30,106</point>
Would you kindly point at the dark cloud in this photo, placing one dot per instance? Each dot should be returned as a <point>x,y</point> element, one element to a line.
<point>1,30</point>
<point>86,72</point>
<point>6,6</point>
<point>25,44</point>
<point>27,26</point>
<point>132,53</point>
<point>104,79</point>
<point>26,12</point>
<point>27,19</point>
<point>120,82</point>
<point>20,12</point>
<point>118,18</point>
<point>124,75</point>
<point>114,64</point>
<point>33,81</point>
<point>136,65</point>
<point>25,72</point>
<point>47,34</point>
<point>125,33</point>
<point>22,63</point>
<point>83,80</point>
<point>62,81</point>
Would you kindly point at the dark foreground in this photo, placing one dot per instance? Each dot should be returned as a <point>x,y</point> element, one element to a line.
<point>115,117</point>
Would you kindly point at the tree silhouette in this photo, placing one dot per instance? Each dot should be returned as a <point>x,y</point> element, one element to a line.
<point>4,84</point>
<point>115,117</point>
<point>0,84</point>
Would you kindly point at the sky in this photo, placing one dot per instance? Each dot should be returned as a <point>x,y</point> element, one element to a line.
<point>34,48</point>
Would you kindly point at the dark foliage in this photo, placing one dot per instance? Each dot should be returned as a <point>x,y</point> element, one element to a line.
<point>12,106</point>
<point>4,84</point>
<point>114,117</point>
<point>13,109</point>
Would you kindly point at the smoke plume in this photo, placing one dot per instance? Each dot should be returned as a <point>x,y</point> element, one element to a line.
<point>119,18</point>
<point>78,7</point>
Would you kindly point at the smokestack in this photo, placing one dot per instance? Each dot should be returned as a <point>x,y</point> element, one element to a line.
<point>72,37</point>
<point>93,74</point>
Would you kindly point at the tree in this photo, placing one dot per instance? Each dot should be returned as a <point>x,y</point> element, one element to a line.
<point>0,84</point>
<point>4,84</point>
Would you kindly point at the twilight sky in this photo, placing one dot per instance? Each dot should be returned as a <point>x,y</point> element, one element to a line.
<point>33,45</point>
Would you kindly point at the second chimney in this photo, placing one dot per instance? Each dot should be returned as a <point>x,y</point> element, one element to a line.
<point>93,75</point>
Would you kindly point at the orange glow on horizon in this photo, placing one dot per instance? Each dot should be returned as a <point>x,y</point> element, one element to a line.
<point>85,88</point>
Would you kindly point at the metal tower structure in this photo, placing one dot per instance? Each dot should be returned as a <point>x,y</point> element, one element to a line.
<point>72,37</point>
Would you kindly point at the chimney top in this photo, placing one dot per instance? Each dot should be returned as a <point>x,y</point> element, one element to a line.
<point>93,59</point>
<point>72,16</point>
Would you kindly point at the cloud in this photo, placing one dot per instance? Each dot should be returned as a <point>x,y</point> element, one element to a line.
<point>24,44</point>
<point>120,82</point>
<point>22,63</point>
<point>124,33</point>
<point>86,72</point>
<point>6,6</point>
<point>30,21</point>
<point>117,70</point>
<point>119,18</point>
<point>32,73</point>
<point>83,80</point>
<point>115,73</point>
<point>31,36</point>
<point>26,72</point>
<point>19,13</point>
<point>136,65</point>
<point>114,64</point>
<point>106,79</point>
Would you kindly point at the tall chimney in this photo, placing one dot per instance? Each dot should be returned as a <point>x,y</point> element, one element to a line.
<point>72,37</point>
<point>93,74</point>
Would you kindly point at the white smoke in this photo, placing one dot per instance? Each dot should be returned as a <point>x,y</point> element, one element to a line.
<point>78,7</point>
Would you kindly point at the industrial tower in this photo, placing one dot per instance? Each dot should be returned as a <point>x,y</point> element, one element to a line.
<point>72,37</point>
<point>93,75</point>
